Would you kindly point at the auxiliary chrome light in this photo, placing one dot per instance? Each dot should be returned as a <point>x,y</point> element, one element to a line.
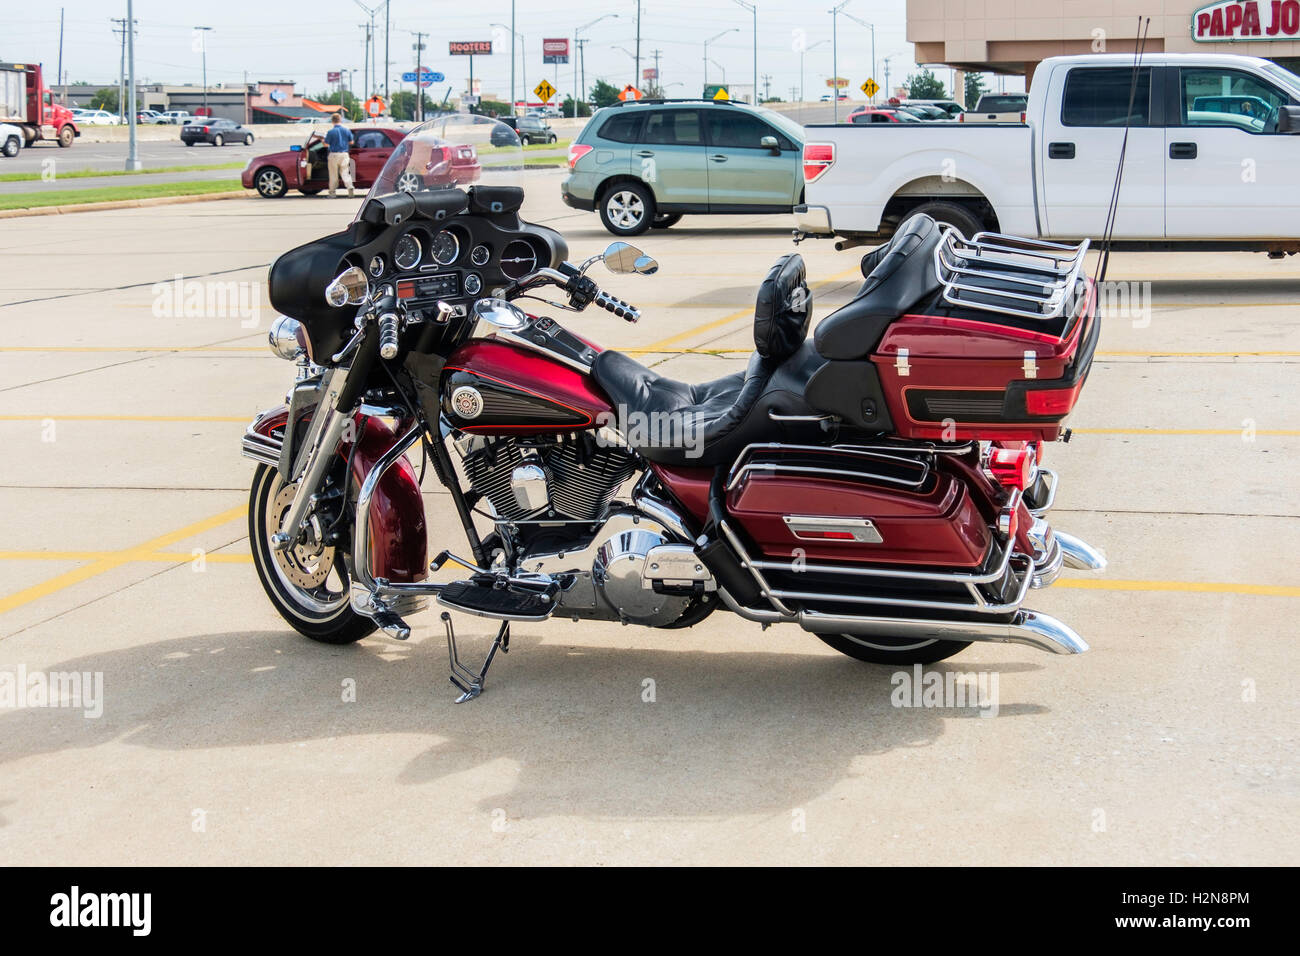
<point>287,338</point>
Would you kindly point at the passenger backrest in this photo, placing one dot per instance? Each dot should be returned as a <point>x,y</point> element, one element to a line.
<point>899,275</point>
<point>783,309</point>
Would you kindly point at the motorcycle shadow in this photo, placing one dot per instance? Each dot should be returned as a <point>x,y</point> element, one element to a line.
<point>599,730</point>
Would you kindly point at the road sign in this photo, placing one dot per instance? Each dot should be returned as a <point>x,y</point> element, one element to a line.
<point>871,87</point>
<point>374,106</point>
<point>544,91</point>
<point>555,50</point>
<point>630,92</point>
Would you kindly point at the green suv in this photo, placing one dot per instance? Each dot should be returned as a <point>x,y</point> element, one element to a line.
<point>645,164</point>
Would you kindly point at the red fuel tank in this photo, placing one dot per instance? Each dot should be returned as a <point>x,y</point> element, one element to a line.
<point>493,386</point>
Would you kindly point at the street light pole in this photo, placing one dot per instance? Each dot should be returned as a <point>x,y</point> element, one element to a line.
<point>752,8</point>
<point>706,52</point>
<point>132,154</point>
<point>723,70</point>
<point>802,53</point>
<point>576,31</point>
<point>204,39</point>
<point>872,28</point>
<point>514,99</point>
<point>835,63</point>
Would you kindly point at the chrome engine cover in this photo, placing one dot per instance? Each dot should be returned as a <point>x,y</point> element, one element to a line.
<point>606,573</point>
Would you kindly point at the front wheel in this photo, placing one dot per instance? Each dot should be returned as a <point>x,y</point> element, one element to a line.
<point>12,145</point>
<point>627,209</point>
<point>218,140</point>
<point>66,136</point>
<point>248,139</point>
<point>893,650</point>
<point>270,183</point>
<point>308,584</point>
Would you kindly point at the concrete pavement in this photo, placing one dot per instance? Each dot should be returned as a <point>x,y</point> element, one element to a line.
<point>227,738</point>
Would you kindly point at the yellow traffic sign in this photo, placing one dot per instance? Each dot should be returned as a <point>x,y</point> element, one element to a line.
<point>871,87</point>
<point>544,91</point>
<point>721,94</point>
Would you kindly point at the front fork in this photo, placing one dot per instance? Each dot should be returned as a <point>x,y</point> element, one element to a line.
<point>324,435</point>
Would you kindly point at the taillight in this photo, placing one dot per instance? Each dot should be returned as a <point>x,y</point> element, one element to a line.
<point>817,158</point>
<point>205,129</point>
<point>1011,467</point>
<point>961,117</point>
<point>1051,401</point>
<point>1022,118</point>
<point>577,151</point>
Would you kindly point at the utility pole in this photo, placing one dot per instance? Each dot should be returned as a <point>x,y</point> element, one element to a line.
<point>203,38</point>
<point>636,77</point>
<point>887,87</point>
<point>872,28</point>
<point>835,63</point>
<point>59,75</point>
<point>132,151</point>
<point>419,63</point>
<point>121,74</point>
<point>753,8</point>
<point>514,109</point>
<point>582,68</point>
<point>388,64</point>
<point>767,86</point>
<point>659,80</point>
<point>365,62</point>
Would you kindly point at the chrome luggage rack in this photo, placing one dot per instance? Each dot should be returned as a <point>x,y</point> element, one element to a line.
<point>1000,273</point>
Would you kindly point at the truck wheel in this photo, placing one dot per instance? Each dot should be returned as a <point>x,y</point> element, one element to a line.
<point>66,136</point>
<point>627,209</point>
<point>893,650</point>
<point>965,222</point>
<point>270,183</point>
<point>12,145</point>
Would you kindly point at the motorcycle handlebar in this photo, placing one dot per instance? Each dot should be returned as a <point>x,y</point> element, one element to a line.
<point>389,329</point>
<point>620,308</point>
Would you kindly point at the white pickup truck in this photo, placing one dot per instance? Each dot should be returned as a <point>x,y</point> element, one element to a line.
<point>1211,163</point>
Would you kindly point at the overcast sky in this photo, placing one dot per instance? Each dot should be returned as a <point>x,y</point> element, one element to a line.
<point>273,39</point>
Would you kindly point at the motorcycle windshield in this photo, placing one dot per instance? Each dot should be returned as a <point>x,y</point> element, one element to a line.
<point>452,150</point>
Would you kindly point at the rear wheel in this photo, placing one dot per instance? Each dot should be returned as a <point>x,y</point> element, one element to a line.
<point>270,183</point>
<point>893,650</point>
<point>218,140</point>
<point>664,220</point>
<point>308,584</point>
<point>965,221</point>
<point>11,147</point>
<point>627,209</point>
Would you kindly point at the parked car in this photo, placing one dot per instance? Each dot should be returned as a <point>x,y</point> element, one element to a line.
<point>998,108</point>
<point>146,116</point>
<point>867,114</point>
<point>544,111</point>
<point>11,140</point>
<point>644,165</point>
<point>951,107</point>
<point>1053,178</point>
<point>534,129</point>
<point>826,97</point>
<point>97,118</point>
<point>175,118</point>
<point>304,167</point>
<point>925,112</point>
<point>504,133</point>
<point>218,132</point>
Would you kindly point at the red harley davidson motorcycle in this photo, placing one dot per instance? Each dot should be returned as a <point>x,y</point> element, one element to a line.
<point>880,484</point>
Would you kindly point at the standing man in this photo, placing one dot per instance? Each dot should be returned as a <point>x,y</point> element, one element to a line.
<point>339,138</point>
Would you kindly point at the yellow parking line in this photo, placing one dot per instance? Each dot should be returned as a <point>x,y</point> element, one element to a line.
<point>115,559</point>
<point>160,557</point>
<point>133,348</point>
<point>1194,354</point>
<point>1274,432</point>
<point>126,418</point>
<point>1195,587</point>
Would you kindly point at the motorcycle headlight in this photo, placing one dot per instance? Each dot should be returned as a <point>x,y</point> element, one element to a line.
<point>288,339</point>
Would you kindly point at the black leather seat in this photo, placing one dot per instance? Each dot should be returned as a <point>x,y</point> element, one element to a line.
<point>899,275</point>
<point>707,424</point>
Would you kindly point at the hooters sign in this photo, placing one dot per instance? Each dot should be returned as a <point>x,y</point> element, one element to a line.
<point>1249,20</point>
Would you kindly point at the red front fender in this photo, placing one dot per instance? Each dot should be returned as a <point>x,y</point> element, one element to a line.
<point>398,539</point>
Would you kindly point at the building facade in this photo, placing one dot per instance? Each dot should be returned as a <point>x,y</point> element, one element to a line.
<point>1013,36</point>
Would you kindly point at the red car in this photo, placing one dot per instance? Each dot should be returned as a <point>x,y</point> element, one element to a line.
<point>868,115</point>
<point>304,167</point>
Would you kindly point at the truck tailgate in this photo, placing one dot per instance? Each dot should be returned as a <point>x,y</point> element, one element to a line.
<point>873,164</point>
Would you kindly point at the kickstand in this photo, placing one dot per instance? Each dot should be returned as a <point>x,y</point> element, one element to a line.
<point>471,684</point>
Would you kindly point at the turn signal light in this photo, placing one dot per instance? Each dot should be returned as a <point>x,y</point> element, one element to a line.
<point>817,158</point>
<point>577,151</point>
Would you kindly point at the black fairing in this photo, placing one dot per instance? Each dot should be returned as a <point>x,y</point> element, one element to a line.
<point>297,284</point>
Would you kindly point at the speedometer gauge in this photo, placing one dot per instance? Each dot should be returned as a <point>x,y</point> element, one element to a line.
<point>406,252</point>
<point>518,259</point>
<point>446,248</point>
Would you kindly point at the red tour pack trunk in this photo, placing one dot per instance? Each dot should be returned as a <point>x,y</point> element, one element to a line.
<point>975,362</point>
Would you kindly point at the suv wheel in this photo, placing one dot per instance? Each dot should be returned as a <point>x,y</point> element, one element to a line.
<point>12,146</point>
<point>627,209</point>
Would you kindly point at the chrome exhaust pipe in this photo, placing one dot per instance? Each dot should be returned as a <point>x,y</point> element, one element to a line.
<point>1027,627</point>
<point>1079,554</point>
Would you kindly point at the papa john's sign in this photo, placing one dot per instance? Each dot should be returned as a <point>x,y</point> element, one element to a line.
<point>1248,20</point>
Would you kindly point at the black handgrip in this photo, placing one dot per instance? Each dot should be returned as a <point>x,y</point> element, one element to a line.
<point>389,328</point>
<point>620,308</point>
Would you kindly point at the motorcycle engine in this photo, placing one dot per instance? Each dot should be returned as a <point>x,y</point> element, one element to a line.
<point>601,554</point>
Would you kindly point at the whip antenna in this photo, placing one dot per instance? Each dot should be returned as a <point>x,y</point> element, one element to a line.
<point>1103,261</point>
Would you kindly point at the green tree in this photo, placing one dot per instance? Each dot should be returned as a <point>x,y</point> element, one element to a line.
<point>603,94</point>
<point>105,99</point>
<point>924,85</point>
<point>403,105</point>
<point>351,105</point>
<point>974,89</point>
<point>567,107</point>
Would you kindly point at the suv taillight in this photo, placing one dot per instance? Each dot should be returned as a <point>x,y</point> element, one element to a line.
<point>1022,116</point>
<point>577,151</point>
<point>817,158</point>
